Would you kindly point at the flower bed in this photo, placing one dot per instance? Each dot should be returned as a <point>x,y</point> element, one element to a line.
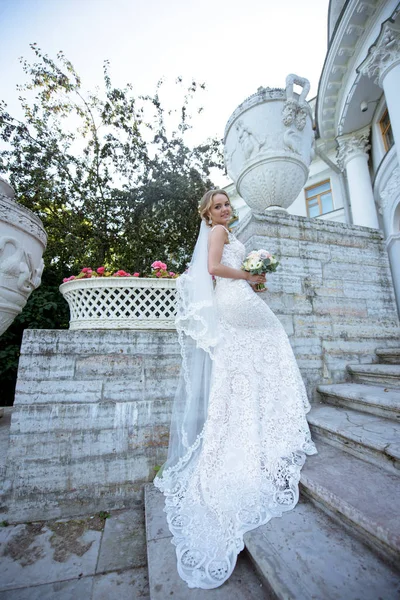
<point>121,302</point>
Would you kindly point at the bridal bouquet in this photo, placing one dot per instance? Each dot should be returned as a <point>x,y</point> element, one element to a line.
<point>259,262</point>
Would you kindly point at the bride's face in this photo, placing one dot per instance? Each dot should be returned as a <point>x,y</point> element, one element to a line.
<point>220,210</point>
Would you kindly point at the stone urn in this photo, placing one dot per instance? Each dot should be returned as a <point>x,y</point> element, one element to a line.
<point>268,146</point>
<point>22,243</point>
<point>121,303</point>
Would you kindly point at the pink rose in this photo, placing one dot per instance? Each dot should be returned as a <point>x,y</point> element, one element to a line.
<point>171,274</point>
<point>86,269</point>
<point>136,274</point>
<point>158,274</point>
<point>163,266</point>
<point>120,273</point>
<point>65,279</point>
<point>101,270</point>
<point>156,264</point>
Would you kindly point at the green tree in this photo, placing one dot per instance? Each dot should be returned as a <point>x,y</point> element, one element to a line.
<point>111,175</point>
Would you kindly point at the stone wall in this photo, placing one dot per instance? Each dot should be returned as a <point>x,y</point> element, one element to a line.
<point>92,408</point>
<point>333,291</point>
<point>90,421</point>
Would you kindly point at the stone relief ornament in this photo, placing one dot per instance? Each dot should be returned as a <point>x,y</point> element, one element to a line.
<point>391,190</point>
<point>352,145</point>
<point>247,139</point>
<point>384,54</point>
<point>295,110</point>
<point>268,145</point>
<point>22,244</point>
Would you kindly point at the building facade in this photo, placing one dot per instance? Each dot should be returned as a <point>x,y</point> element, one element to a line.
<point>354,177</point>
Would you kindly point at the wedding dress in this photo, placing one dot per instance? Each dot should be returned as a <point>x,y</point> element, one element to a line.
<point>244,466</point>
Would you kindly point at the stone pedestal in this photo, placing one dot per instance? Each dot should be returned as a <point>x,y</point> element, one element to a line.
<point>90,420</point>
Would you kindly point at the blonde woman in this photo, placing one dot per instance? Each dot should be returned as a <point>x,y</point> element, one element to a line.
<point>239,434</point>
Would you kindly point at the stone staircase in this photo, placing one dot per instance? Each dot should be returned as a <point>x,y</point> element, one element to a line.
<point>342,541</point>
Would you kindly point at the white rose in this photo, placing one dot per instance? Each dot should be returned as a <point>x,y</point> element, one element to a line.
<point>255,263</point>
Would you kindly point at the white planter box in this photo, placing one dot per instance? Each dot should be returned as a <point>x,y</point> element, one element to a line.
<point>121,303</point>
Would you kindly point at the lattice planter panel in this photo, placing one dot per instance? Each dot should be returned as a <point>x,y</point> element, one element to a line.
<point>121,303</point>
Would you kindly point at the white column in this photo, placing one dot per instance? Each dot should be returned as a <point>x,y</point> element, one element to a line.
<point>353,157</point>
<point>383,65</point>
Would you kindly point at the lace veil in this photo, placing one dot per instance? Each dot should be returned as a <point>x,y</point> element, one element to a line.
<point>198,333</point>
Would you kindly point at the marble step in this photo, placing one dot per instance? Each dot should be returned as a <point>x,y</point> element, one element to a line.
<point>367,436</point>
<point>362,496</point>
<point>307,555</point>
<point>373,399</point>
<point>376,374</point>
<point>389,355</point>
<point>164,581</point>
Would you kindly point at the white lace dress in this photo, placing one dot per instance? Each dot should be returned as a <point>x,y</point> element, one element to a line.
<point>245,466</point>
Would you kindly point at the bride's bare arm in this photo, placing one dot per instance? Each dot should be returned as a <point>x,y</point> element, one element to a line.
<point>218,238</point>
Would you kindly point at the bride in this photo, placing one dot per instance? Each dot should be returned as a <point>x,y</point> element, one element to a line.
<point>239,434</point>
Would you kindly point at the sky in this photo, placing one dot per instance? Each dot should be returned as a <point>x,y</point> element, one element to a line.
<point>233,47</point>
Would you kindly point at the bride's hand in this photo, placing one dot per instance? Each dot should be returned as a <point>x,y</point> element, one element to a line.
<point>253,279</point>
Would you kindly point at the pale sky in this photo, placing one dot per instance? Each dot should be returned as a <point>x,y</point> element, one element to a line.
<point>234,47</point>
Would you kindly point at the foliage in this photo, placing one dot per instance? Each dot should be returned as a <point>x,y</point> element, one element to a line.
<point>110,174</point>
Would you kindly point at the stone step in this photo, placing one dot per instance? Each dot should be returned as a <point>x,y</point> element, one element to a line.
<point>376,374</point>
<point>373,399</point>
<point>307,555</point>
<point>389,355</point>
<point>367,436</point>
<point>360,495</point>
<point>164,581</point>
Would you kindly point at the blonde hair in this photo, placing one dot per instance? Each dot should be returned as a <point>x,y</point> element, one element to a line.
<point>206,204</point>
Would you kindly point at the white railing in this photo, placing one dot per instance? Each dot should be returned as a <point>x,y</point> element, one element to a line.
<point>121,303</point>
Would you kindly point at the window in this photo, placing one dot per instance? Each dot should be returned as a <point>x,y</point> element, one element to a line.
<point>386,129</point>
<point>319,199</point>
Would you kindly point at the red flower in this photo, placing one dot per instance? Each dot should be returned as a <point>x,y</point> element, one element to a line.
<point>136,274</point>
<point>159,265</point>
<point>101,270</point>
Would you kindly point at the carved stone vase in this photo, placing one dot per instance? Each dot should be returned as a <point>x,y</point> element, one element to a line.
<point>269,146</point>
<point>22,243</point>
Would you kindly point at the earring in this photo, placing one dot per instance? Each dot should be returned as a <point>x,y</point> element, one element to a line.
<point>210,221</point>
